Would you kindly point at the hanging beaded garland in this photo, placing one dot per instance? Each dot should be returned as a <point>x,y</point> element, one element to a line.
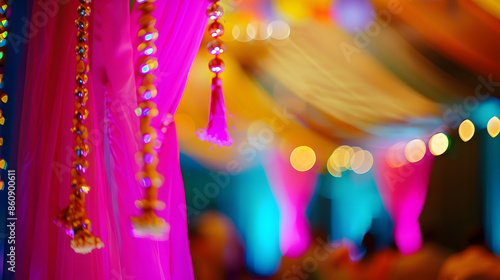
<point>148,224</point>
<point>216,130</point>
<point>74,217</point>
<point>4,9</point>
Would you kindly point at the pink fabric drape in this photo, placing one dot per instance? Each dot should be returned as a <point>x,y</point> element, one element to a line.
<point>46,144</point>
<point>403,191</point>
<point>293,191</point>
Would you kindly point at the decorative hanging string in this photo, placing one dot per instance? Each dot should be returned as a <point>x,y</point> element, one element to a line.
<point>216,130</point>
<point>3,42</point>
<point>74,217</point>
<point>148,224</point>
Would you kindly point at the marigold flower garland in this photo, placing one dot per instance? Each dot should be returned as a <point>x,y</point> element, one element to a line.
<point>148,224</point>
<point>74,217</point>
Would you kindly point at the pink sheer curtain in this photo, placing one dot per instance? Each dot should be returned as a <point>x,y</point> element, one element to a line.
<point>403,191</point>
<point>46,144</point>
<point>293,191</point>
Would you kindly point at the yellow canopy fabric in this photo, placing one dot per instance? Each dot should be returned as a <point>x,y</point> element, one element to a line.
<point>322,88</point>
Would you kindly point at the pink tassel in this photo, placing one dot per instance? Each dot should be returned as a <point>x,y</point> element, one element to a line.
<point>216,131</point>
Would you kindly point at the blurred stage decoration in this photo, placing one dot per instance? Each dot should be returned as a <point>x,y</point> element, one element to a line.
<point>474,262</point>
<point>403,191</point>
<point>355,208</point>
<point>357,104</point>
<point>485,116</point>
<point>292,190</point>
<point>345,86</point>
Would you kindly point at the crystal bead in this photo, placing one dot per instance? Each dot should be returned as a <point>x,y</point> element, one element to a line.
<point>214,11</point>
<point>216,47</point>
<point>216,29</point>
<point>148,158</point>
<point>216,65</point>
<point>146,182</point>
<point>146,138</point>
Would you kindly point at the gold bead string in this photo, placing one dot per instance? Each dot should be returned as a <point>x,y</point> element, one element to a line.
<point>74,217</point>
<point>148,224</point>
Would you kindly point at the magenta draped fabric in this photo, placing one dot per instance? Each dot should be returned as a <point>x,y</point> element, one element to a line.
<point>403,191</point>
<point>293,191</point>
<point>46,144</point>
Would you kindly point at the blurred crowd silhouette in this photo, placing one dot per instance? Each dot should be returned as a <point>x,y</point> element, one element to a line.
<point>218,253</point>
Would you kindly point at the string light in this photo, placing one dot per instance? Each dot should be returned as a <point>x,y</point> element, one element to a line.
<point>349,158</point>
<point>493,127</point>
<point>333,170</point>
<point>279,30</point>
<point>341,157</point>
<point>415,150</point>
<point>438,144</point>
<point>302,158</point>
<point>466,130</point>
